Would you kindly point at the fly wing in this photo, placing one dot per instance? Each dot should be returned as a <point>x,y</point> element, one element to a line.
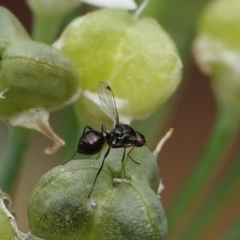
<point>107,101</point>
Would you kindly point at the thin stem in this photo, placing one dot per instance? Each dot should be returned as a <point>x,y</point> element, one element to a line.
<point>141,8</point>
<point>234,232</point>
<point>211,211</point>
<point>70,131</point>
<point>18,142</point>
<point>45,28</point>
<point>220,139</point>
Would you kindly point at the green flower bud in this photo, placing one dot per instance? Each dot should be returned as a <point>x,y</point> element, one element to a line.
<point>219,24</point>
<point>8,226</point>
<point>36,76</point>
<point>136,57</point>
<point>118,208</point>
<point>11,29</point>
<point>6,231</point>
<point>217,49</point>
<point>34,80</point>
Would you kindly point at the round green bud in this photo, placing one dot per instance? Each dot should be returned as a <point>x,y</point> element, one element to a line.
<point>34,75</point>
<point>118,208</point>
<point>217,49</point>
<point>6,231</point>
<point>217,22</point>
<point>136,57</point>
<point>6,228</point>
<point>11,29</point>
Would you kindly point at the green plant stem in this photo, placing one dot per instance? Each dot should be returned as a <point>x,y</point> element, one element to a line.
<point>218,201</point>
<point>71,133</point>
<point>45,28</point>
<point>220,139</point>
<point>18,142</point>
<point>234,232</point>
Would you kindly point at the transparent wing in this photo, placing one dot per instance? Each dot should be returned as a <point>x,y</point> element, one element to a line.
<point>107,101</point>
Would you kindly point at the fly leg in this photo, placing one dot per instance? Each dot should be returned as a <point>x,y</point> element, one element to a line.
<point>123,157</point>
<point>84,130</point>
<point>99,170</point>
<point>131,157</point>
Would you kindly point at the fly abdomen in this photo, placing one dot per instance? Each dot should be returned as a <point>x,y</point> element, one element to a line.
<point>91,142</point>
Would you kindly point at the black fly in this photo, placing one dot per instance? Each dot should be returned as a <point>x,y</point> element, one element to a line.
<point>122,136</point>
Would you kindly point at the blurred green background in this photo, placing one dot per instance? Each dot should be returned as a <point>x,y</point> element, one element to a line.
<point>192,118</point>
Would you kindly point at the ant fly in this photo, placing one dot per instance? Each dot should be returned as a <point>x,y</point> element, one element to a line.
<point>122,136</point>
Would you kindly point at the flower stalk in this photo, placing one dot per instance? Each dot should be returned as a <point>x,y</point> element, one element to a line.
<point>233,232</point>
<point>221,138</point>
<point>18,142</point>
<point>45,28</point>
<point>220,200</point>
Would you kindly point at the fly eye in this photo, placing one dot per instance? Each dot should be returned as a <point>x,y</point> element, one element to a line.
<point>141,140</point>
